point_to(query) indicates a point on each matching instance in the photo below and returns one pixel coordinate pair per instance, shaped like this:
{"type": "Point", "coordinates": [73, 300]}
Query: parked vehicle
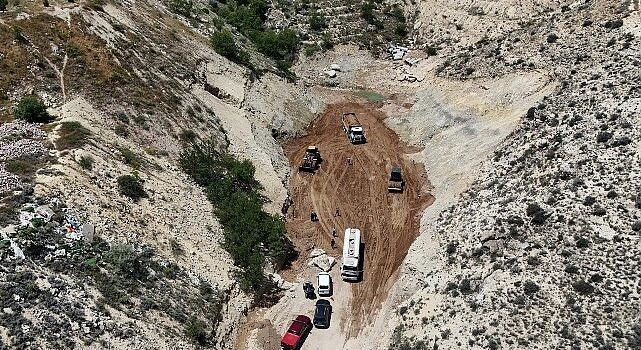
{"type": "Point", "coordinates": [351, 267]}
{"type": "Point", "coordinates": [322, 314]}
{"type": "Point", "coordinates": [324, 284]}
{"type": "Point", "coordinates": [296, 333]}
{"type": "Point", "coordinates": [353, 128]}
{"type": "Point", "coordinates": [308, 288]}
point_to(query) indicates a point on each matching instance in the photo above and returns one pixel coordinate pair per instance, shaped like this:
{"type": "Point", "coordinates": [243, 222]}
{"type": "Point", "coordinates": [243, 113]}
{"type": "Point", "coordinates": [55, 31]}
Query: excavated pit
{"type": "Point", "coordinates": [389, 221]}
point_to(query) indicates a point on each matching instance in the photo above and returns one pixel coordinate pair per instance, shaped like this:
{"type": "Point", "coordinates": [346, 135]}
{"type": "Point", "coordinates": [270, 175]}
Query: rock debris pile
{"type": "Point", "coordinates": [18, 140]}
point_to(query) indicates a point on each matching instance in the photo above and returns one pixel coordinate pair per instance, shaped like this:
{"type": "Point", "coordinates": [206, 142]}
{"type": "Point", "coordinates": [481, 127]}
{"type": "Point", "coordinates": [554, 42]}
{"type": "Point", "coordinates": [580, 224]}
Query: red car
{"type": "Point", "coordinates": [296, 333]}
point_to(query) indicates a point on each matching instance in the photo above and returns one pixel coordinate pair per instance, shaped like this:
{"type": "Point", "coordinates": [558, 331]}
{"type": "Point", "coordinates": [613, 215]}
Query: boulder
{"type": "Point", "coordinates": [331, 73]}
{"type": "Point", "coordinates": [335, 67]}
{"type": "Point", "coordinates": [316, 252]}
{"type": "Point", "coordinates": [323, 262]}
{"type": "Point", "coordinates": [87, 230]}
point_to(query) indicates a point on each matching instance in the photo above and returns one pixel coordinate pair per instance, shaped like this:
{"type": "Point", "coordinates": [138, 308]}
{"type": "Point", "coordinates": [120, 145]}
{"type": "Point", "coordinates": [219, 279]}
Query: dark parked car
{"type": "Point", "coordinates": [322, 314]}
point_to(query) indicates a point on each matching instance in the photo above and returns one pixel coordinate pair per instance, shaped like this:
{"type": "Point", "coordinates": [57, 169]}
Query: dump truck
{"type": "Point", "coordinates": [351, 267]}
{"type": "Point", "coordinates": [311, 159]}
{"type": "Point", "coordinates": [296, 333]}
{"type": "Point", "coordinates": [353, 128]}
{"type": "Point", "coordinates": [395, 183]}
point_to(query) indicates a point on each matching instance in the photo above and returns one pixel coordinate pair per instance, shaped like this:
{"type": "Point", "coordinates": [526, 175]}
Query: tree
{"type": "Point", "coordinates": [3, 5]}
{"type": "Point", "coordinates": [31, 109]}
{"type": "Point", "coordinates": [224, 44]}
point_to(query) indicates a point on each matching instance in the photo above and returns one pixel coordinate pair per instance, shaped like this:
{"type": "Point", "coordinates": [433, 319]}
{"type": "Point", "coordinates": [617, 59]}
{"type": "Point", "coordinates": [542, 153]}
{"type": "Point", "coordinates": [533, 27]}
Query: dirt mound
{"type": "Point", "coordinates": [389, 222]}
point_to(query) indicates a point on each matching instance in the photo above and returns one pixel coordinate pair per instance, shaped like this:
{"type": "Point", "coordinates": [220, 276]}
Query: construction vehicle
{"type": "Point", "coordinates": [353, 128]}
{"type": "Point", "coordinates": [311, 159]}
{"type": "Point", "coordinates": [296, 333]}
{"type": "Point", "coordinates": [351, 268]}
{"type": "Point", "coordinates": [395, 183]}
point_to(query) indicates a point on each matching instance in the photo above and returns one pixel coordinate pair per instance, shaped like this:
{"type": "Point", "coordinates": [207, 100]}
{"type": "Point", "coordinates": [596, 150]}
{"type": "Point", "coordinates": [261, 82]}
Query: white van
{"type": "Point", "coordinates": [324, 284]}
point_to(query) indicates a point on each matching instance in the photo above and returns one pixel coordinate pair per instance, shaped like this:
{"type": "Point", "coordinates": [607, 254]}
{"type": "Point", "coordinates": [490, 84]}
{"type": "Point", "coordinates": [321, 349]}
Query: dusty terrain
{"type": "Point", "coordinates": [389, 222]}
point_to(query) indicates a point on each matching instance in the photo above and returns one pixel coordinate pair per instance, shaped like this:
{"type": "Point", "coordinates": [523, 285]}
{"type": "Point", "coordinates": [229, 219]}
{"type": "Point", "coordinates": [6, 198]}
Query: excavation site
{"type": "Point", "coordinates": [314, 175]}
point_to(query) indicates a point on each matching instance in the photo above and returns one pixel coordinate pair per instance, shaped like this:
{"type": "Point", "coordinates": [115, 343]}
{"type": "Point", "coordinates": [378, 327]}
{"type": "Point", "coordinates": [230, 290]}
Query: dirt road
{"type": "Point", "coordinates": [389, 222]}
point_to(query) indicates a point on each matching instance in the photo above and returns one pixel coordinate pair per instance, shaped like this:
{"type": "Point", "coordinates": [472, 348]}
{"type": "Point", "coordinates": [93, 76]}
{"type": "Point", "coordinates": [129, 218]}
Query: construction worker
{"type": "Point", "coordinates": [313, 216]}
{"type": "Point", "coordinates": [334, 232]}
{"type": "Point", "coordinates": [337, 213]}
{"type": "Point", "coordinates": [349, 160]}
{"type": "Point", "coordinates": [333, 243]}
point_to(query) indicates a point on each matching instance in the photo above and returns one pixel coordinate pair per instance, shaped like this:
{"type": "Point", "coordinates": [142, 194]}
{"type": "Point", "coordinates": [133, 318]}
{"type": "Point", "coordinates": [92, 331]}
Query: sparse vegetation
{"type": "Point", "coordinates": [32, 109]}
{"type": "Point", "coordinates": [130, 158]}
{"type": "Point", "coordinates": [72, 135]}
{"type": "Point", "coordinates": [131, 186]}
{"type": "Point", "coordinates": [230, 185]}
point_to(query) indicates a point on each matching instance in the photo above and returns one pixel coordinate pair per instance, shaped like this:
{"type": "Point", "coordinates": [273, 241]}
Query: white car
{"type": "Point", "coordinates": [324, 284]}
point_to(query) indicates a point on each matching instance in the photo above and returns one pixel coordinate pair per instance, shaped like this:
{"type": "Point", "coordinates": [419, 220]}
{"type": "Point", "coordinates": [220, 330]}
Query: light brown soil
{"type": "Point", "coordinates": [389, 222]}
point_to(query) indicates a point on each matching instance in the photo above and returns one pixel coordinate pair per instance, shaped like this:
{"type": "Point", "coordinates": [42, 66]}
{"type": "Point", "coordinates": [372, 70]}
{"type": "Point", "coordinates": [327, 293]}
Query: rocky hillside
{"type": "Point", "coordinates": [541, 252]}
{"type": "Point", "coordinates": [105, 241]}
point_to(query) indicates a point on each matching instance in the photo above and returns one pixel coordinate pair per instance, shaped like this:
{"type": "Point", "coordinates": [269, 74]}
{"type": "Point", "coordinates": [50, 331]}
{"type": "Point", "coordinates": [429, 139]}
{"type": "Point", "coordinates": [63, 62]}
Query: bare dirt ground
{"type": "Point", "coordinates": [389, 222]}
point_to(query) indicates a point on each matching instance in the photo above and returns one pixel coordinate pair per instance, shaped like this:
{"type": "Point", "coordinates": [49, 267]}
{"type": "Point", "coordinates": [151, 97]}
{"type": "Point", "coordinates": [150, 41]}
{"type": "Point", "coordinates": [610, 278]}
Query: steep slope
{"type": "Point", "coordinates": [539, 252]}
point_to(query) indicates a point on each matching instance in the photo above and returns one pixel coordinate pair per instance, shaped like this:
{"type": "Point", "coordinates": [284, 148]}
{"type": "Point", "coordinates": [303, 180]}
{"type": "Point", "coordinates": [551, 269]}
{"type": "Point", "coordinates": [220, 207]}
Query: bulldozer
{"type": "Point", "coordinates": [311, 159]}
{"type": "Point", "coordinates": [395, 183]}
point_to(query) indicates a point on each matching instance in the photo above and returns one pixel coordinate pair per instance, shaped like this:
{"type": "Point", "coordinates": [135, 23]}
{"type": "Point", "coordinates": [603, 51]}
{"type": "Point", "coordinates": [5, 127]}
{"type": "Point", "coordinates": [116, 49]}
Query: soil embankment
{"type": "Point", "coordinates": [389, 222]}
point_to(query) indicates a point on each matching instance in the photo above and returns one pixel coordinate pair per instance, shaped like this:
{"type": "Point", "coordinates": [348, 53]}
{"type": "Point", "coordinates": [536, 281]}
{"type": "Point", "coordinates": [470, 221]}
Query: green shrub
{"type": "Point", "coordinates": [3, 5]}
{"type": "Point", "coordinates": [182, 7]}
{"type": "Point", "coordinates": [32, 110]}
{"type": "Point", "coordinates": [327, 42]}
{"type": "Point", "coordinates": [317, 22]}
{"type": "Point", "coordinates": [86, 162]}
{"type": "Point", "coordinates": [121, 130]}
{"type": "Point", "coordinates": [130, 157]}
{"type": "Point", "coordinates": [195, 331]}
{"type": "Point", "coordinates": [277, 45]}
{"type": "Point", "coordinates": [130, 186]}
{"type": "Point", "coordinates": [187, 136]}
{"type": "Point", "coordinates": [250, 235]}
{"type": "Point", "coordinates": [367, 12]}
{"type": "Point", "coordinates": [72, 135]}
{"type": "Point", "coordinates": [224, 44]}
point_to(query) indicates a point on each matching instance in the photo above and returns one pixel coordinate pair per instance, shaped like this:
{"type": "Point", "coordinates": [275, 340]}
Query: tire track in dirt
{"type": "Point", "coordinates": [389, 222]}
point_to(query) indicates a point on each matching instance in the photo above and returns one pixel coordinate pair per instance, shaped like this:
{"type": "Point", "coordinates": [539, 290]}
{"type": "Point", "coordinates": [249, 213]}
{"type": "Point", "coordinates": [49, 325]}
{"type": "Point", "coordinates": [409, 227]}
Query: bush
{"type": "Point", "coordinates": [130, 186]}
{"type": "Point", "coordinates": [72, 135]}
{"type": "Point", "coordinates": [130, 157]}
{"type": "Point", "coordinates": [224, 44]}
{"type": "Point", "coordinates": [529, 287]}
{"type": "Point", "coordinates": [3, 5]}
{"type": "Point", "coordinates": [187, 136]}
{"type": "Point", "coordinates": [32, 110]}
{"type": "Point", "coordinates": [250, 235]}
{"type": "Point", "coordinates": [367, 12]}
{"type": "Point", "coordinates": [277, 45]}
{"type": "Point", "coordinates": [86, 162]}
{"type": "Point", "coordinates": [317, 22]}
{"type": "Point", "coordinates": [121, 130]}
{"type": "Point", "coordinates": [583, 287]}
{"type": "Point", "coordinates": [195, 330]}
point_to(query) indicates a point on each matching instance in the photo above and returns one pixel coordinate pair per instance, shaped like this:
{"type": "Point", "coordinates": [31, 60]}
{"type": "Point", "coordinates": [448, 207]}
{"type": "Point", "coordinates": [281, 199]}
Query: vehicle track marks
{"type": "Point", "coordinates": [389, 222]}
